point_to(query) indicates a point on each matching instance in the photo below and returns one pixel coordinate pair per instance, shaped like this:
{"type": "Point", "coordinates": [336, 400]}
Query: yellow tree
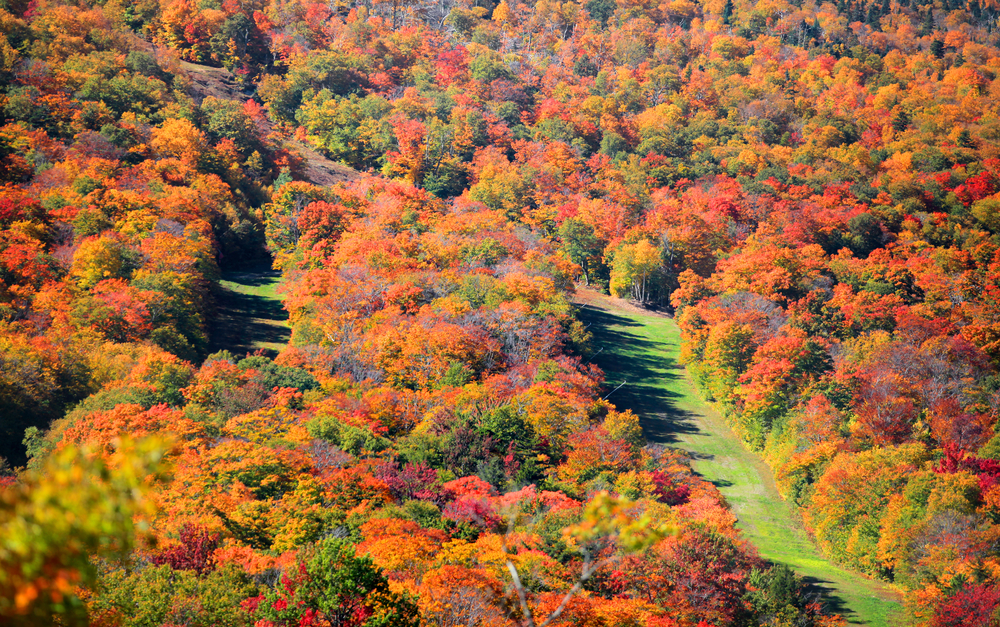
{"type": "Point", "coordinates": [635, 270]}
{"type": "Point", "coordinates": [606, 519]}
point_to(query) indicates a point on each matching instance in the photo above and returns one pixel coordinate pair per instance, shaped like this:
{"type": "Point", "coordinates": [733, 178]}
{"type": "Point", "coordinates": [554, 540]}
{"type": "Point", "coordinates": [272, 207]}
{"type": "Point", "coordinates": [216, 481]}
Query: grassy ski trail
{"type": "Point", "coordinates": [251, 316]}
{"type": "Point", "coordinates": [642, 349]}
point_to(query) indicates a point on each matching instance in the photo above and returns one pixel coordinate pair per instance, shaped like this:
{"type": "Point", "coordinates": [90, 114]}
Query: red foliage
{"type": "Point", "coordinates": [669, 491]}
{"type": "Point", "coordinates": [16, 205]}
{"type": "Point", "coordinates": [475, 510]}
{"type": "Point", "coordinates": [413, 481]}
{"type": "Point", "coordinates": [956, 460]}
{"type": "Point", "coordinates": [973, 606]}
{"type": "Point", "coordinates": [195, 551]}
{"type": "Point", "coordinates": [451, 65]}
{"type": "Point", "coordinates": [976, 188]}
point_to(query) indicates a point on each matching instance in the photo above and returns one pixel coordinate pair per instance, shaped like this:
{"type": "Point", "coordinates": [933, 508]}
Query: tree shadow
{"type": "Point", "coordinates": [634, 379]}
{"type": "Point", "coordinates": [247, 322]}
{"type": "Point", "coordinates": [821, 591]}
{"type": "Point", "coordinates": [642, 362]}
{"type": "Point", "coordinates": [252, 278]}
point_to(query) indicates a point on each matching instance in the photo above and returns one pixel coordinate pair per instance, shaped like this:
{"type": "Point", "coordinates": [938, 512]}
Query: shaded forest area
{"type": "Point", "coordinates": [811, 188]}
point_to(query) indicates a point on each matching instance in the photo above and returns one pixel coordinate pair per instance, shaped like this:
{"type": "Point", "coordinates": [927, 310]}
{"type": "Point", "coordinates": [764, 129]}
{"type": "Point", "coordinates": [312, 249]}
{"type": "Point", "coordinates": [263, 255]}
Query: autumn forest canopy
{"type": "Point", "coordinates": [810, 189]}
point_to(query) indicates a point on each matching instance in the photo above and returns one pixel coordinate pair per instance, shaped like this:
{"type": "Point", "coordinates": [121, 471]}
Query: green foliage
{"type": "Point", "coordinates": [776, 595]}
{"type": "Point", "coordinates": [272, 375]}
{"type": "Point", "coordinates": [851, 496]}
{"type": "Point", "coordinates": [637, 272]}
{"type": "Point", "coordinates": [354, 440]}
{"type": "Point", "coordinates": [35, 389]}
{"type": "Point", "coordinates": [425, 514]}
{"type": "Point", "coordinates": [354, 129]}
{"type": "Point", "coordinates": [281, 216]}
{"type": "Point", "coordinates": [180, 311]}
{"type": "Point", "coordinates": [506, 426]}
{"type": "Point", "coordinates": [334, 585]}
{"type": "Point", "coordinates": [150, 596]}
{"type": "Point", "coordinates": [457, 375]}
{"type": "Point", "coordinates": [487, 68]}
{"type": "Point", "coordinates": [606, 515]}
{"type": "Point", "coordinates": [332, 71]}
{"type": "Point", "coordinates": [866, 234]}
{"type": "Point", "coordinates": [227, 119]}
{"type": "Point", "coordinates": [584, 248]}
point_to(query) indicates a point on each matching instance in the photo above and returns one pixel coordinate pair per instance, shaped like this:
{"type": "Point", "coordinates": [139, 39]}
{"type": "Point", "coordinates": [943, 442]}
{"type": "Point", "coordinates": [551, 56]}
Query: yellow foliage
{"type": "Point", "coordinates": [609, 516]}
{"type": "Point", "coordinates": [55, 519]}
{"type": "Point", "coordinates": [269, 426]}
{"type": "Point", "coordinates": [635, 485]}
{"type": "Point", "coordinates": [624, 425]}
{"type": "Point", "coordinates": [179, 138]}
{"type": "Point", "coordinates": [502, 13]}
{"type": "Point", "coordinates": [549, 414]}
{"type": "Point", "coordinates": [101, 258]}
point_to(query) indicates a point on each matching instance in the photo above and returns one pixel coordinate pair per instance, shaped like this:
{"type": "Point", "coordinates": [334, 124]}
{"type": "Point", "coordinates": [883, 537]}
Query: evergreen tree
{"type": "Point", "coordinates": [927, 26]}
{"type": "Point", "coordinates": [727, 13]}
{"type": "Point", "coordinates": [873, 17]}
{"type": "Point", "coordinates": [937, 49]}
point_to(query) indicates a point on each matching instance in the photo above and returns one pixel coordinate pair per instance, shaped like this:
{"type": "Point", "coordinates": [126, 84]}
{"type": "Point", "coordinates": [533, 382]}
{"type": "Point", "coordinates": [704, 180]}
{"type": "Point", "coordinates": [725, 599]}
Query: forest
{"type": "Point", "coordinates": [810, 189]}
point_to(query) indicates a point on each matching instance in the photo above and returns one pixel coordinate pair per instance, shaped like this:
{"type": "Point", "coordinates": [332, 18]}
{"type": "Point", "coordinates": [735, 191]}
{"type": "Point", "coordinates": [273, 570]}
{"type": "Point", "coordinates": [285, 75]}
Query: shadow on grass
{"type": "Point", "coordinates": [640, 363]}
{"type": "Point", "coordinates": [249, 322]}
{"type": "Point", "coordinates": [820, 590]}
{"type": "Point", "coordinates": [252, 278]}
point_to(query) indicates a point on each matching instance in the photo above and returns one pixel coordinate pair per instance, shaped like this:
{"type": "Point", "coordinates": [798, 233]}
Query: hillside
{"type": "Point", "coordinates": [288, 334]}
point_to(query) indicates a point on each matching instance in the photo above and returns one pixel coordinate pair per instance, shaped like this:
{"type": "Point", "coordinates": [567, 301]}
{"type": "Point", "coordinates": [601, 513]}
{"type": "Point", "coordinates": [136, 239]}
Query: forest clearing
{"type": "Point", "coordinates": [251, 316]}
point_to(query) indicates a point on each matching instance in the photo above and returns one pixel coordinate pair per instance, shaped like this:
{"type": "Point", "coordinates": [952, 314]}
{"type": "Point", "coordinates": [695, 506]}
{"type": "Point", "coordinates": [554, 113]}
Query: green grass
{"type": "Point", "coordinates": [643, 350]}
{"type": "Point", "coordinates": [251, 316]}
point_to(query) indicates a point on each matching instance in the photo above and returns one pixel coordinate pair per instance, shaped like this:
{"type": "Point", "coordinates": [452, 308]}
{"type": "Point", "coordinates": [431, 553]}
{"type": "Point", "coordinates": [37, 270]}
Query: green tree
{"type": "Point", "coordinates": [228, 119]}
{"type": "Point", "coordinates": [727, 13]}
{"type": "Point", "coordinates": [153, 596]}
{"type": "Point", "coordinates": [582, 246]}
{"type": "Point", "coordinates": [937, 49]}
{"type": "Point", "coordinates": [333, 586]}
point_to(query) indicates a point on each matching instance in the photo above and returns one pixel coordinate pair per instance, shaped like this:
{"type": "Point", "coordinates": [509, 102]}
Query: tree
{"type": "Point", "coordinates": [105, 257]}
{"type": "Point", "coordinates": [636, 270]}
{"type": "Point", "coordinates": [582, 245]}
{"type": "Point", "coordinates": [606, 519]}
{"type": "Point", "coordinates": [973, 606]}
{"type": "Point", "coordinates": [56, 518]}
{"type": "Point", "coordinates": [181, 139]}
{"type": "Point", "coordinates": [937, 48]}
{"type": "Point", "coordinates": [161, 595]}
{"type": "Point", "coordinates": [727, 12]}
{"type": "Point", "coordinates": [329, 585]}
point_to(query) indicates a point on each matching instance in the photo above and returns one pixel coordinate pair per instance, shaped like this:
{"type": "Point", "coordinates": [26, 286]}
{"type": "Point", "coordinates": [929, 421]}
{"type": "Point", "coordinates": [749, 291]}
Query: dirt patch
{"type": "Point", "coordinates": [593, 298]}
{"type": "Point", "coordinates": [219, 83]}
{"type": "Point", "coordinates": [322, 171]}
{"type": "Point", "coordinates": [216, 82]}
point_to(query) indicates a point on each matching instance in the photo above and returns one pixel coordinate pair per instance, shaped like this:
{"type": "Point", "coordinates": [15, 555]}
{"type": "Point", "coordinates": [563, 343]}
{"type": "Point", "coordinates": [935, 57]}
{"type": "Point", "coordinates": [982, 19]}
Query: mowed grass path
{"type": "Point", "coordinates": [642, 349]}
{"type": "Point", "coordinates": [251, 316]}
